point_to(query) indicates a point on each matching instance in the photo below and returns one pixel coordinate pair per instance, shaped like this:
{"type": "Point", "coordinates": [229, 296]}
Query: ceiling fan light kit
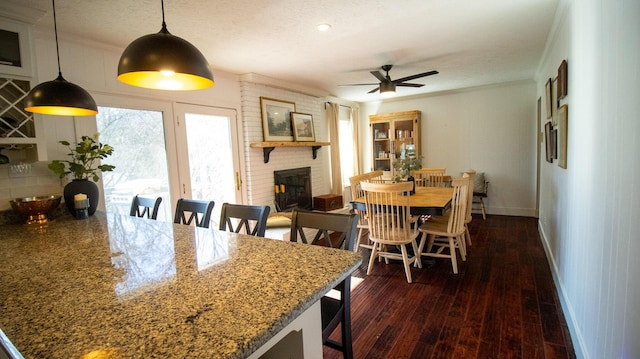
{"type": "Point", "coordinates": [387, 89]}
{"type": "Point", "coordinates": [59, 97]}
{"type": "Point", "coordinates": [165, 62]}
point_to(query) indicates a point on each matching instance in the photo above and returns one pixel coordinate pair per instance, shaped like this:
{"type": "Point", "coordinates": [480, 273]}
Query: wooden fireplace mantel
{"type": "Point", "coordinates": [267, 147]}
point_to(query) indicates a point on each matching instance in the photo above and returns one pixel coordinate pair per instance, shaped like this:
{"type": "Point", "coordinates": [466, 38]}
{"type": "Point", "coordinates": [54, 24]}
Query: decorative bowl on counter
{"type": "Point", "coordinates": [36, 209]}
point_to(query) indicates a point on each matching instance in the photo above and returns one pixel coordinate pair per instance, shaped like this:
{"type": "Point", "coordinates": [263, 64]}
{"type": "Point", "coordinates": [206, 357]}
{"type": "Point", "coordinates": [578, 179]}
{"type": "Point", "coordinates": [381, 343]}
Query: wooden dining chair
{"type": "Point", "coordinates": [240, 218]}
{"type": "Point", "coordinates": [448, 231]}
{"type": "Point", "coordinates": [480, 192]}
{"type": "Point", "coordinates": [357, 192]}
{"type": "Point", "coordinates": [430, 177]}
{"type": "Point", "coordinates": [468, 217]}
{"type": "Point", "coordinates": [145, 207]}
{"type": "Point", "coordinates": [193, 211]}
{"type": "Point", "coordinates": [326, 228]}
{"type": "Point", "coordinates": [391, 224]}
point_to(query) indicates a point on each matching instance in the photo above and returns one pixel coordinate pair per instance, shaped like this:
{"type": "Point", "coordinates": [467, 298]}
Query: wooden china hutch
{"type": "Point", "coordinates": [393, 136]}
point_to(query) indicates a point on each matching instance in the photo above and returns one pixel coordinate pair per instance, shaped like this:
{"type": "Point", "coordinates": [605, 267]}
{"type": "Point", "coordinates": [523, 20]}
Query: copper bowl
{"type": "Point", "coordinates": [36, 209]}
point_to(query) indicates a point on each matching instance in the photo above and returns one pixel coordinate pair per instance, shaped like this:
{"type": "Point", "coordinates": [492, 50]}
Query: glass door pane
{"type": "Point", "coordinates": [211, 147]}
{"type": "Point", "coordinates": [139, 155]}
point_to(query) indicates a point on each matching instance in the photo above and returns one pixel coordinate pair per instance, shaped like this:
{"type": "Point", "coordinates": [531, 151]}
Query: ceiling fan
{"type": "Point", "coordinates": [387, 86]}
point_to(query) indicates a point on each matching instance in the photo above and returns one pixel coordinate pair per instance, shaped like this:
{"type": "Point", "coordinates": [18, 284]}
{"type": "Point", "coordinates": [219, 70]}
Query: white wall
{"type": "Point", "coordinates": [589, 212]}
{"type": "Point", "coordinates": [490, 129]}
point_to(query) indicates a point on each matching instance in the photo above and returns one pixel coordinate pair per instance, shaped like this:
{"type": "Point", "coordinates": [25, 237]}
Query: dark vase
{"type": "Point", "coordinates": [413, 181]}
{"type": "Point", "coordinates": [85, 186]}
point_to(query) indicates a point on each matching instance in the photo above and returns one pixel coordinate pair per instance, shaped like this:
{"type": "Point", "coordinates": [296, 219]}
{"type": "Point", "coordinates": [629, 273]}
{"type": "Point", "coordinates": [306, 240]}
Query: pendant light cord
{"type": "Point", "coordinates": [55, 30]}
{"type": "Point", "coordinates": [164, 25]}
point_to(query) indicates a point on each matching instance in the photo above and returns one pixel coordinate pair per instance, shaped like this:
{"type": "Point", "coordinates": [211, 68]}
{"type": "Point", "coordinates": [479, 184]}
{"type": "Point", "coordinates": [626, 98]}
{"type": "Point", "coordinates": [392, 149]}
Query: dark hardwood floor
{"type": "Point", "coordinates": [502, 303]}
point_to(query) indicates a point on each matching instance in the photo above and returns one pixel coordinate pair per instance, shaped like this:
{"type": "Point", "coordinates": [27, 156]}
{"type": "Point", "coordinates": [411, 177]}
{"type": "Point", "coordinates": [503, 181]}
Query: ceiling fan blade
{"type": "Point", "coordinates": [374, 90]}
{"type": "Point", "coordinates": [413, 77]}
{"type": "Point", "coordinates": [379, 75]}
{"type": "Point", "coordinates": [359, 84]}
{"type": "Point", "coordinates": [406, 84]}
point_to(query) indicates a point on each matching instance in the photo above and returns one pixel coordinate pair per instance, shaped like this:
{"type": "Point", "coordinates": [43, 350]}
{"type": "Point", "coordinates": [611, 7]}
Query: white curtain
{"type": "Point", "coordinates": [355, 111]}
{"type": "Point", "coordinates": [333, 116]}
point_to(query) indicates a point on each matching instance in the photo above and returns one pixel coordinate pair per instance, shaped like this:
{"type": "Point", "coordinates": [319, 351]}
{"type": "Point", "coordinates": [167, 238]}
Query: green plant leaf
{"type": "Point", "coordinates": [82, 159]}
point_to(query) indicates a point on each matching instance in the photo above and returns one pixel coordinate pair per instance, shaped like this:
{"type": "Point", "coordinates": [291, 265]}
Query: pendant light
{"type": "Point", "coordinates": [59, 97]}
{"type": "Point", "coordinates": [165, 62]}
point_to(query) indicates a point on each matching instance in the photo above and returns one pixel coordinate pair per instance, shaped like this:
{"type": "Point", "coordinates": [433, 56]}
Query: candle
{"type": "Point", "coordinates": [80, 197]}
{"type": "Point", "coordinates": [282, 188]}
{"type": "Point", "coordinates": [277, 189]}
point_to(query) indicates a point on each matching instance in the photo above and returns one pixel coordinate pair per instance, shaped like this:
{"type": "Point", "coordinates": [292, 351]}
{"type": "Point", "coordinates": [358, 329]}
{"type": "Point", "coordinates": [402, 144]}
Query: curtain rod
{"type": "Point", "coordinates": [325, 105]}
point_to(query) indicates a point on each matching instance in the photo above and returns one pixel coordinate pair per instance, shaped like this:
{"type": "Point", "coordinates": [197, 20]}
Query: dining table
{"type": "Point", "coordinates": [425, 201]}
{"type": "Point", "coordinates": [117, 286]}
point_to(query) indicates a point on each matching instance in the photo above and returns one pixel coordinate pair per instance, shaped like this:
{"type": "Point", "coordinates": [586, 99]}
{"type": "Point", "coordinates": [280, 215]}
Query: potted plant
{"type": "Point", "coordinates": [83, 168]}
{"type": "Point", "coordinates": [404, 167]}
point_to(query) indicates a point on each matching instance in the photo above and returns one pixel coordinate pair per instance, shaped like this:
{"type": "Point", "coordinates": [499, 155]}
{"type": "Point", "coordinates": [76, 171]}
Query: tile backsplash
{"type": "Point", "coordinates": [21, 181]}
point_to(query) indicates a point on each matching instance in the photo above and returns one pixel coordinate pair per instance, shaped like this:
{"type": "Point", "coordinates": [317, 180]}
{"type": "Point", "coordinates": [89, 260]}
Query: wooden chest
{"type": "Point", "coordinates": [327, 202]}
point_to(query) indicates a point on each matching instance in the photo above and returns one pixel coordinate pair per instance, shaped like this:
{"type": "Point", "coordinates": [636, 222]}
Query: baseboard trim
{"type": "Point", "coordinates": [510, 211]}
{"type": "Point", "coordinates": [576, 335]}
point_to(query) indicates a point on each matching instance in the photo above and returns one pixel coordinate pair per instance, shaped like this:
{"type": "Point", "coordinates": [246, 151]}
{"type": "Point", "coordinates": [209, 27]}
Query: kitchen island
{"type": "Point", "coordinates": [124, 287]}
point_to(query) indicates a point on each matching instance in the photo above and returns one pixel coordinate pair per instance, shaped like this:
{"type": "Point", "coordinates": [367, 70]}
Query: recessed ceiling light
{"type": "Point", "coordinates": [324, 27]}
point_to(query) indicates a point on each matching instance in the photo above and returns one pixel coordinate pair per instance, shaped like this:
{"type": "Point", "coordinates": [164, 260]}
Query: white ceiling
{"type": "Point", "coordinates": [470, 42]}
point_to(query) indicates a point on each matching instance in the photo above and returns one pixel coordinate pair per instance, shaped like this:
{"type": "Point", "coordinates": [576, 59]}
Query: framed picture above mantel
{"type": "Point", "coordinates": [276, 119]}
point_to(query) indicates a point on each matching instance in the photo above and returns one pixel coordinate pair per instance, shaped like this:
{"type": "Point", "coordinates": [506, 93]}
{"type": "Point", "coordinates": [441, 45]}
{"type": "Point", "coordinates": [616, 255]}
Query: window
{"type": "Point", "coordinates": [140, 158]}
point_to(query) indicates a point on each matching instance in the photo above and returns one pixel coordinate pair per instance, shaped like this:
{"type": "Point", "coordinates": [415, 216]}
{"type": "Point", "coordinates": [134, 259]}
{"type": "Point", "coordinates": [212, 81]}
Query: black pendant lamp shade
{"type": "Point", "coordinates": [59, 97]}
{"type": "Point", "coordinates": [164, 61]}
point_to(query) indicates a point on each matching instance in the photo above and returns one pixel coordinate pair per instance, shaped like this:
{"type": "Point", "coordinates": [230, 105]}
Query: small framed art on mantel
{"type": "Point", "coordinates": [302, 127]}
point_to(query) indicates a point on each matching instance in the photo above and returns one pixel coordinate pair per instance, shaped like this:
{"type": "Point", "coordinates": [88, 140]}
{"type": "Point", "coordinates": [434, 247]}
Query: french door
{"type": "Point", "coordinates": [208, 155]}
{"type": "Point", "coordinates": [179, 151]}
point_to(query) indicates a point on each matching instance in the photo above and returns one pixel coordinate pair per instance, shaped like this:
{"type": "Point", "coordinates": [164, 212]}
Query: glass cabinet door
{"type": "Point", "coordinates": [382, 147]}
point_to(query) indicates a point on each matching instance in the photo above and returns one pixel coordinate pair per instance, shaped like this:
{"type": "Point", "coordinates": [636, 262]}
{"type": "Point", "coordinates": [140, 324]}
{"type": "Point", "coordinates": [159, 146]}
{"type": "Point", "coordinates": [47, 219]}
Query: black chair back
{"type": "Point", "coordinates": [145, 207]}
{"type": "Point", "coordinates": [197, 211]}
{"type": "Point", "coordinates": [328, 229]}
{"type": "Point", "coordinates": [335, 230]}
{"type": "Point", "coordinates": [250, 220]}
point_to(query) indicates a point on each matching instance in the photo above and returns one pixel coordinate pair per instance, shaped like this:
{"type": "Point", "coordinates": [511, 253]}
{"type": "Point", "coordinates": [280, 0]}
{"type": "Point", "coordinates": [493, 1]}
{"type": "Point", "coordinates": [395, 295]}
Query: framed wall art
{"type": "Point", "coordinates": [548, 133]}
{"type": "Point", "coordinates": [302, 127]}
{"type": "Point", "coordinates": [548, 98]}
{"type": "Point", "coordinates": [554, 144]}
{"type": "Point", "coordinates": [276, 119]}
{"type": "Point", "coordinates": [562, 80]}
{"type": "Point", "coordinates": [562, 136]}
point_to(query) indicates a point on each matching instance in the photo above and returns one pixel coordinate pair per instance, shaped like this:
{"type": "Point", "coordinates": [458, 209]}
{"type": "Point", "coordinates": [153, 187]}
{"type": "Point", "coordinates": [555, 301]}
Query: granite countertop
{"type": "Point", "coordinates": [126, 287]}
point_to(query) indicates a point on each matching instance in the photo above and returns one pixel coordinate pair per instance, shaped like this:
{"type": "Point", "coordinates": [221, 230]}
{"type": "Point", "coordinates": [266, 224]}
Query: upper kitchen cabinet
{"type": "Point", "coordinates": [18, 136]}
{"type": "Point", "coordinates": [393, 136]}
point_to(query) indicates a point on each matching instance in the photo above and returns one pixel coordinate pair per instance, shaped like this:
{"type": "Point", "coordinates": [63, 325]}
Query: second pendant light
{"type": "Point", "coordinates": [164, 61]}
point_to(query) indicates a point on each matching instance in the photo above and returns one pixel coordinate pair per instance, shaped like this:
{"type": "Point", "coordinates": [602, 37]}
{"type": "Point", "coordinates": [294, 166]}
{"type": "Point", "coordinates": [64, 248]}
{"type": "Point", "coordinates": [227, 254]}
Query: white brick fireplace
{"type": "Point", "coordinates": [258, 179]}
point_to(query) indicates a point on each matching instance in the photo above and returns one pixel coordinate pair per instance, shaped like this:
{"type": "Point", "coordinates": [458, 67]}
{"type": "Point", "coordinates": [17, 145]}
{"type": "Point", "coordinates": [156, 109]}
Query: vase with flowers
{"type": "Point", "coordinates": [404, 167]}
{"type": "Point", "coordinates": [83, 167]}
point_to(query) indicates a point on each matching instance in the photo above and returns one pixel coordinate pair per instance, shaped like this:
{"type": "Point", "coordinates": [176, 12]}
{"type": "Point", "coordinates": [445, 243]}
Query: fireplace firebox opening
{"type": "Point", "coordinates": [293, 189]}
